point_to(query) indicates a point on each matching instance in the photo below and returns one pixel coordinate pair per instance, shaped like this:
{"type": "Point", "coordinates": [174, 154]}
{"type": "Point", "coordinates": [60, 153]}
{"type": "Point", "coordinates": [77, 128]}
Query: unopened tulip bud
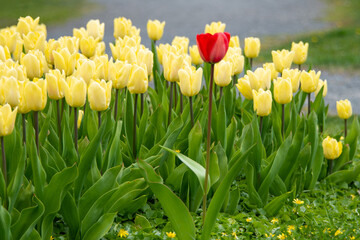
{"type": "Point", "coordinates": [119, 73]}
{"type": "Point", "coordinates": [75, 91]}
{"type": "Point", "coordinates": [35, 64]}
{"type": "Point", "coordinates": [172, 64]}
{"type": "Point", "coordinates": [145, 56]}
{"type": "Point", "coordinates": [262, 102]}
{"type": "Point", "coordinates": [344, 109]}
{"type": "Point", "coordinates": [85, 70]}
{"type": "Point", "coordinates": [321, 84]}
{"type": "Point", "coordinates": [215, 27]}
{"type": "Point", "coordinates": [122, 27]}
{"type": "Point", "coordinates": [252, 47]}
{"type": "Point", "coordinates": [195, 55]}
{"type": "Point", "coordinates": [23, 104]}
{"type": "Point", "coordinates": [11, 91]}
{"type": "Point", "coordinates": [294, 75]}
{"type": "Point", "coordinates": [36, 94]}
{"type": "Point", "coordinates": [282, 59]}
{"type": "Point", "coordinates": [95, 29]}
{"type": "Point", "coordinates": [244, 87]}
{"type": "Point", "coordinates": [34, 40]}
{"type": "Point", "coordinates": [99, 94]}
{"type": "Point", "coordinates": [282, 90]}
{"type": "Point", "coordinates": [190, 80]}
{"type": "Point", "coordinates": [308, 83]}
{"type": "Point", "coordinates": [301, 50]}
{"type": "Point", "coordinates": [222, 73]}
{"type": "Point", "coordinates": [7, 120]}
{"type": "Point", "coordinates": [55, 80]}
{"type": "Point", "coordinates": [138, 82]}
{"type": "Point", "coordinates": [155, 29]}
{"type": "Point", "coordinates": [65, 61]}
{"type": "Point", "coordinates": [332, 148]}
{"type": "Point", "coordinates": [88, 46]}
{"type": "Point", "coordinates": [101, 67]}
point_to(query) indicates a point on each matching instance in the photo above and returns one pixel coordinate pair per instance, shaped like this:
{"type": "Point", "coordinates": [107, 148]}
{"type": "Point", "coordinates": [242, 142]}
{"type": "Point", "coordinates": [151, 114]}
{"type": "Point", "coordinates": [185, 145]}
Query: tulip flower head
{"type": "Point", "coordinates": [35, 64]}
{"type": "Point", "coordinates": [9, 37]}
{"type": "Point", "coordinates": [172, 63]}
{"type": "Point", "coordinates": [95, 29]}
{"type": "Point", "coordinates": [55, 80]}
{"type": "Point", "coordinates": [36, 94]}
{"type": "Point", "coordinates": [344, 109]}
{"type": "Point", "coordinates": [145, 56]}
{"type": "Point", "coordinates": [182, 43]}
{"type": "Point", "coordinates": [212, 48]}
{"type": "Point", "coordinates": [138, 82]}
{"type": "Point", "coordinates": [122, 27]}
{"type": "Point", "coordinates": [283, 90]}
{"type": "Point", "coordinates": [252, 47]}
{"type": "Point", "coordinates": [75, 91]}
{"type": "Point", "coordinates": [262, 102]}
{"type": "Point", "coordinates": [309, 81]}
{"type": "Point", "coordinates": [11, 91]}
{"type": "Point", "coordinates": [234, 42]}
{"type": "Point", "coordinates": [190, 80]}
{"type": "Point", "coordinates": [332, 148]}
{"type": "Point", "coordinates": [234, 56]}
{"type": "Point", "coordinates": [119, 73]}
{"type": "Point", "coordinates": [301, 51]}
{"type": "Point", "coordinates": [294, 75]}
{"type": "Point", "coordinates": [85, 70]}
{"type": "Point", "coordinates": [282, 59]}
{"type": "Point", "coordinates": [4, 53]}
{"type": "Point", "coordinates": [64, 61]}
{"type": "Point", "coordinates": [321, 84]}
{"type": "Point", "coordinates": [34, 40]}
{"type": "Point", "coordinates": [155, 29]}
{"type": "Point", "coordinates": [99, 94]}
{"type": "Point", "coordinates": [244, 87]}
{"type": "Point", "coordinates": [260, 78]}
{"type": "Point", "coordinates": [215, 27]}
{"type": "Point", "coordinates": [88, 46]}
{"type": "Point", "coordinates": [222, 73]}
{"type": "Point", "coordinates": [7, 120]}
{"type": "Point", "coordinates": [195, 55]}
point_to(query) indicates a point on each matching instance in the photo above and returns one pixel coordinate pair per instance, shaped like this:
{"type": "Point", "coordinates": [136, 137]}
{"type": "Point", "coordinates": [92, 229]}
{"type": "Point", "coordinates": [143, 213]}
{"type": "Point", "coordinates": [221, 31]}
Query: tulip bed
{"type": "Point", "coordinates": [99, 148]}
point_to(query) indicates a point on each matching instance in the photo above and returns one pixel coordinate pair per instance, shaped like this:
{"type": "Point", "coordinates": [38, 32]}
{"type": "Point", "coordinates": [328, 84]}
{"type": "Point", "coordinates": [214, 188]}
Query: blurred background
{"type": "Point", "coordinates": [332, 28]}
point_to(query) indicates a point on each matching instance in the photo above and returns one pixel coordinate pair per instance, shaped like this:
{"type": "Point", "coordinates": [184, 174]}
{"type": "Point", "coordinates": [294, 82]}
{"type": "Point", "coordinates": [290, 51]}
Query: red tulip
{"type": "Point", "coordinates": [212, 48]}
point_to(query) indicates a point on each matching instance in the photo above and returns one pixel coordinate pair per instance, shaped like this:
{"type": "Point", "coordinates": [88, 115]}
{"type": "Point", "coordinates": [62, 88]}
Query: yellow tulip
{"type": "Point", "coordinates": [332, 148]}
{"type": "Point", "coordinates": [234, 42]}
{"type": "Point", "coordinates": [18, 50]}
{"type": "Point", "coordinates": [95, 29]}
{"type": "Point", "coordinates": [27, 24]}
{"type": "Point", "coordinates": [215, 27]}
{"type": "Point", "coordinates": [80, 33]}
{"type": "Point", "coordinates": [7, 120]}
{"type": "Point", "coordinates": [294, 75]}
{"type": "Point", "coordinates": [81, 114]}
{"type": "Point", "coordinates": [271, 67]}
{"type": "Point", "coordinates": [301, 50]}
{"type": "Point", "coordinates": [119, 73]}
{"type": "Point", "coordinates": [11, 91]}
{"type": "Point", "coordinates": [122, 27]}
{"type": "Point", "coordinates": [190, 80]}
{"type": "Point", "coordinates": [23, 106]}
{"type": "Point", "coordinates": [344, 109]}
{"type": "Point", "coordinates": [34, 40]}
{"type": "Point", "coordinates": [9, 37]}
{"type": "Point", "coordinates": [182, 43]}
{"type": "Point", "coordinates": [262, 102]}
{"type": "Point", "coordinates": [99, 94]}
{"type": "Point", "coordinates": [162, 50]}
{"type": "Point", "coordinates": [101, 67]}
{"type": "Point", "coordinates": [64, 61]}
{"type": "Point", "coordinates": [320, 85]}
{"type": "Point", "coordinates": [234, 56]}
{"type": "Point", "coordinates": [55, 80]}
{"type": "Point", "coordinates": [282, 59]}
{"type": "Point", "coordinates": [36, 94]}
{"type": "Point", "coordinates": [252, 47]}
{"type": "Point", "coordinates": [222, 73]}
{"type": "Point", "coordinates": [51, 45]}
{"type": "Point", "coordinates": [4, 53]}
{"type": "Point", "coordinates": [129, 54]}
{"type": "Point", "coordinates": [195, 55]}
{"type": "Point", "coordinates": [260, 78]}
{"type": "Point", "coordinates": [138, 82]}
{"type": "Point", "coordinates": [12, 69]}
{"type": "Point", "coordinates": [172, 64]}
{"type": "Point", "coordinates": [71, 43]}
{"type": "Point", "coordinates": [85, 70]}
{"type": "Point", "coordinates": [88, 46]}
{"type": "Point", "coordinates": [244, 87]}
{"type": "Point", "coordinates": [282, 90]}
{"type": "Point", "coordinates": [315, 76]}
{"type": "Point", "coordinates": [308, 83]}
{"type": "Point", "coordinates": [35, 63]}
{"type": "Point", "coordinates": [145, 56]}
{"type": "Point", "coordinates": [134, 31]}
{"type": "Point", "coordinates": [155, 29]}
{"type": "Point", "coordinates": [75, 91]}
{"type": "Point", "coordinates": [100, 49]}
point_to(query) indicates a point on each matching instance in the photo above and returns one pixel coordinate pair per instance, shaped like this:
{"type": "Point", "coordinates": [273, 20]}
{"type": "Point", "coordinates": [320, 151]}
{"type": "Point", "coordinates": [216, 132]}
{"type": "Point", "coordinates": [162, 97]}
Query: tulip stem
{"type": "Point", "coordinates": [251, 63]}
{"type": "Point", "coordinates": [309, 103]}
{"type": "Point", "coordinates": [234, 80]}
{"type": "Point", "coordinates": [282, 120]}
{"type": "Point", "coordinates": [299, 67]}
{"type": "Point", "coordinates": [330, 166]}
{"type": "Point", "coordinates": [134, 129]}
{"type": "Point", "coordinates": [141, 104]}
{"type": "Point", "coordinates": [170, 101]}
{"type": "Point", "coordinates": [116, 103]}
{"type": "Point", "coordinates": [208, 140]}
{"type": "Point", "coordinates": [345, 129]}
{"type": "Point", "coordinates": [221, 92]}
{"type": "Point", "coordinates": [62, 108]}
{"type": "Point", "coordinates": [59, 123]}
{"type": "Point", "coordinates": [4, 169]}
{"type": "Point", "coordinates": [175, 96]}
{"type": "Point", "coordinates": [99, 118]}
{"type": "Point", "coordinates": [36, 126]}
{"type": "Point", "coordinates": [24, 127]}
{"type": "Point", "coordinates": [181, 102]}
{"type": "Point", "coordinates": [191, 112]}
{"type": "Point", "coordinates": [261, 124]}
{"type": "Point", "coordinates": [76, 129]}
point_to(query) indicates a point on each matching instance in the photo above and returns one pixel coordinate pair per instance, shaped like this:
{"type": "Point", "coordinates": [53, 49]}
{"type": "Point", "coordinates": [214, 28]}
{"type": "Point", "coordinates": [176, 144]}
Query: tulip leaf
{"type": "Point", "coordinates": [69, 212]}
{"type": "Point", "coordinates": [101, 227]}
{"type": "Point", "coordinates": [273, 207]}
{"type": "Point", "coordinates": [174, 208]}
{"type": "Point", "coordinates": [352, 137]}
{"type": "Point", "coordinates": [230, 137]}
{"type": "Point", "coordinates": [5, 223]}
{"type": "Point", "coordinates": [344, 175]}
{"type": "Point", "coordinates": [316, 167]}
{"type": "Point", "coordinates": [343, 159]}
{"type": "Point", "coordinates": [254, 197]}
{"type": "Point", "coordinates": [45, 126]}
{"type": "Point", "coordinates": [221, 193]}
{"type": "Point", "coordinates": [113, 152]}
{"type": "Point", "coordinates": [221, 122]}
{"type": "Point", "coordinates": [195, 142]}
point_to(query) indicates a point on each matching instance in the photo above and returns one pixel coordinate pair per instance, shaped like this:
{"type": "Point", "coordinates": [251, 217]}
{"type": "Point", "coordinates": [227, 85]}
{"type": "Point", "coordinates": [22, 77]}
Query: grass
{"type": "Point", "coordinates": [50, 11]}
{"type": "Point", "coordinates": [335, 48]}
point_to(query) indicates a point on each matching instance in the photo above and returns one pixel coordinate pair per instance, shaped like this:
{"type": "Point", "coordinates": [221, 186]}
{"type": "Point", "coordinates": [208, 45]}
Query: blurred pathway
{"type": "Point", "coordinates": [244, 18]}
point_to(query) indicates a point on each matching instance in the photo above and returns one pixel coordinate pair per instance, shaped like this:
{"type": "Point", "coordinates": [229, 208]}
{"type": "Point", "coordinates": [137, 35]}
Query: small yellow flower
{"type": "Point", "coordinates": [223, 234]}
{"type": "Point", "coordinates": [249, 219]}
{"type": "Point", "coordinates": [281, 236]}
{"type": "Point", "coordinates": [352, 237]}
{"type": "Point", "coordinates": [123, 233]}
{"type": "Point", "coordinates": [298, 202]}
{"type": "Point", "coordinates": [52, 238]}
{"type": "Point", "coordinates": [177, 150]}
{"type": "Point", "coordinates": [290, 229]}
{"type": "Point", "coordinates": [274, 220]}
{"type": "Point", "coordinates": [170, 234]}
{"type": "Point", "coordinates": [352, 196]}
{"type": "Point", "coordinates": [234, 235]}
{"type": "Point", "coordinates": [338, 232]}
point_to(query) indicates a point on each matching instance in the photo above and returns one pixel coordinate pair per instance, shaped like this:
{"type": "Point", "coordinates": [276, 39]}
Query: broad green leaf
{"type": "Point", "coordinates": [195, 142]}
{"type": "Point", "coordinates": [142, 222]}
{"type": "Point", "coordinates": [273, 207]}
{"type": "Point", "coordinates": [44, 128]}
{"type": "Point", "coordinates": [5, 222]}
{"type": "Point", "coordinates": [101, 227]}
{"type": "Point", "coordinates": [254, 197]}
{"type": "Point", "coordinates": [316, 167]}
{"type": "Point", "coordinates": [69, 212]}
{"type": "Point", "coordinates": [353, 136]}
{"type": "Point", "coordinates": [344, 175]}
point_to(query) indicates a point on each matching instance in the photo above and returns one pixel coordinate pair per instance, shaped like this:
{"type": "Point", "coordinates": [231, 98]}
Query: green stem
{"type": "Point", "coordinates": [76, 129]}
{"type": "Point", "coordinates": [59, 124]}
{"type": "Point", "coordinates": [36, 126]}
{"type": "Point", "coordinates": [24, 127]}
{"type": "Point", "coordinates": [251, 63]}
{"type": "Point", "coordinates": [116, 103]}
{"type": "Point", "coordinates": [4, 169]}
{"type": "Point", "coordinates": [261, 124]}
{"type": "Point", "coordinates": [330, 166]}
{"type": "Point", "coordinates": [181, 102]}
{"type": "Point", "coordinates": [345, 129]}
{"type": "Point", "coordinates": [141, 104]}
{"type": "Point", "coordinates": [99, 118]}
{"type": "Point", "coordinates": [282, 120]}
{"type": "Point", "coordinates": [170, 101]}
{"type": "Point", "coordinates": [221, 92]}
{"type": "Point", "coordinates": [191, 112]}
{"type": "Point", "coordinates": [309, 103]}
{"type": "Point", "coordinates": [134, 129]}
{"type": "Point", "coordinates": [208, 141]}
